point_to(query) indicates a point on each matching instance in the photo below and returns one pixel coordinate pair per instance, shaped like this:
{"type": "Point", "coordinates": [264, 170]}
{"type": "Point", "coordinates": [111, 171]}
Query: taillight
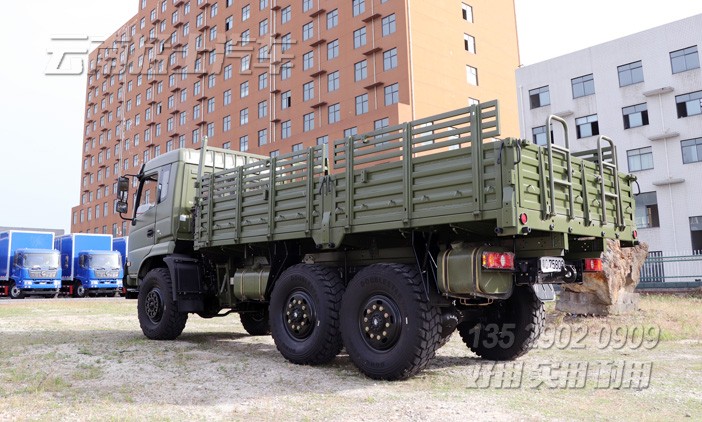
{"type": "Point", "coordinates": [593, 264]}
{"type": "Point", "coordinates": [498, 260]}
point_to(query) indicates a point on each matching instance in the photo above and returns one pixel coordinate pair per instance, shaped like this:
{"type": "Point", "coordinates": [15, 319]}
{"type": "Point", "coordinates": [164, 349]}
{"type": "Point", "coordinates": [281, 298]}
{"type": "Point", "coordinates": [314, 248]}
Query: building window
{"type": "Point", "coordinates": [308, 60]}
{"type": "Point", "coordinates": [262, 137]}
{"type": "Point", "coordinates": [244, 117]}
{"type": "Point", "coordinates": [262, 81]}
{"type": "Point", "coordinates": [360, 70]}
{"type": "Point", "coordinates": [469, 43]}
{"type": "Point", "coordinates": [359, 6]}
{"type": "Point", "coordinates": [308, 122]}
{"type": "Point", "coordinates": [472, 75]}
{"type": "Point", "coordinates": [635, 116]}
{"type": "Point", "coordinates": [696, 234]}
{"type": "Point", "coordinates": [359, 37]}
{"type": "Point", "coordinates": [245, 12]}
{"type": "Point", "coordinates": [307, 5]}
{"type": "Point", "coordinates": [274, 153]}
{"type": "Point", "coordinates": [381, 123]}
{"type": "Point", "coordinates": [285, 129]}
{"type": "Point", "coordinates": [350, 131]}
{"type": "Point", "coordinates": [587, 126]}
{"type": "Point", "coordinates": [307, 31]}
{"type": "Point", "coordinates": [244, 89]}
{"type": "Point", "coordinates": [630, 74]}
{"type": "Point", "coordinates": [244, 143]}
{"type": "Point", "coordinates": [334, 111]}
{"type": "Point", "coordinates": [285, 100]}
{"type": "Point", "coordinates": [389, 25]}
{"type": "Point", "coordinates": [362, 104]}
{"type": "Point", "coordinates": [691, 150]}
{"type": "Point", "coordinates": [646, 214]}
{"type": "Point", "coordinates": [583, 86]}
{"type": "Point", "coordinates": [333, 81]}
{"type": "Point", "coordinates": [685, 59]}
{"type": "Point", "coordinates": [285, 15]}
{"type": "Point", "coordinates": [467, 12]}
{"type": "Point", "coordinates": [332, 19]}
{"type": "Point", "coordinates": [323, 140]}
{"type": "Point", "coordinates": [333, 50]}
{"type": "Point", "coordinates": [640, 159]}
{"type": "Point", "coordinates": [390, 59]}
{"type": "Point", "coordinates": [227, 97]}
{"type": "Point", "coordinates": [308, 91]}
{"type": "Point", "coordinates": [539, 135]}
{"type": "Point", "coordinates": [227, 124]}
{"type": "Point", "coordinates": [262, 109]}
{"type": "Point", "coordinates": [539, 97]}
{"type": "Point", "coordinates": [285, 71]}
{"type": "Point", "coordinates": [392, 94]}
{"type": "Point", "coordinates": [689, 104]}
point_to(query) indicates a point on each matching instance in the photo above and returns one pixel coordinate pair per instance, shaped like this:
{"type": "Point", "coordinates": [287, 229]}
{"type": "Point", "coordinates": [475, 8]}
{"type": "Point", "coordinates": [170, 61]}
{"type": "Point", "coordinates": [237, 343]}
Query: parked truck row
{"type": "Point", "coordinates": [382, 243]}
{"type": "Point", "coordinates": [39, 264]}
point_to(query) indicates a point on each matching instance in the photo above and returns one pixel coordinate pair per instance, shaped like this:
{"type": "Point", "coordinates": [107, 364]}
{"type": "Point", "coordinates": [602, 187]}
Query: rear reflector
{"type": "Point", "coordinates": [593, 264]}
{"type": "Point", "coordinates": [498, 260]}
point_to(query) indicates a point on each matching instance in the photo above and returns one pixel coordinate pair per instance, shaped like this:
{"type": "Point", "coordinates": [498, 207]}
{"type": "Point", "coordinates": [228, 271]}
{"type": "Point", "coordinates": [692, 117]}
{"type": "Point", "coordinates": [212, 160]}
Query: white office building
{"type": "Point", "coordinates": [645, 92]}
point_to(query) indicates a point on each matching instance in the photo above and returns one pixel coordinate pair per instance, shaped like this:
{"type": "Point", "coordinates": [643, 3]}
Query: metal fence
{"type": "Point", "coordinates": [683, 266]}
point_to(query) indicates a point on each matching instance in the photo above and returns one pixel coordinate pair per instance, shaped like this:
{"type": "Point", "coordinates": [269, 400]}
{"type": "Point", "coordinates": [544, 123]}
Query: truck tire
{"type": "Point", "coordinates": [389, 328]}
{"type": "Point", "coordinates": [158, 315]}
{"type": "Point", "coordinates": [510, 327]}
{"type": "Point", "coordinates": [256, 323]}
{"type": "Point", "coordinates": [304, 314]}
{"type": "Point", "coordinates": [16, 292]}
{"type": "Point", "coordinates": [79, 290]}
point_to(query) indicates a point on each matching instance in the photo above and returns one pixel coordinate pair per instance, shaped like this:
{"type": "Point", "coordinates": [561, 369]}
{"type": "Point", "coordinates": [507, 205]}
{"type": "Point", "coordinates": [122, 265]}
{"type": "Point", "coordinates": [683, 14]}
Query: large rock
{"type": "Point", "coordinates": [610, 291]}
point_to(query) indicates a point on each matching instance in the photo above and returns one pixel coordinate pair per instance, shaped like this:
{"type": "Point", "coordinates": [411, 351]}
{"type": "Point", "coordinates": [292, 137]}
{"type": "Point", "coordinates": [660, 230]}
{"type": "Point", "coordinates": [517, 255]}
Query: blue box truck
{"type": "Point", "coordinates": [119, 244]}
{"type": "Point", "coordinates": [29, 265]}
{"type": "Point", "coordinates": [89, 265]}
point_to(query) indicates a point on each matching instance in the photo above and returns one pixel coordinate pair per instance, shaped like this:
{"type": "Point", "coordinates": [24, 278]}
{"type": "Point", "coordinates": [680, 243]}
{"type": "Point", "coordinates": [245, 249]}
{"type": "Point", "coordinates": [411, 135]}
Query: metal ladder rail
{"type": "Point", "coordinates": [613, 166]}
{"type": "Point", "coordinates": [565, 151]}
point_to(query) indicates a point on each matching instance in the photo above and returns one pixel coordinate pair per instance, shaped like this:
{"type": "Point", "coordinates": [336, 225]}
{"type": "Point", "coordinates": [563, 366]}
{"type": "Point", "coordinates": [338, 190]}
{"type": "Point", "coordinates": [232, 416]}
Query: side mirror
{"type": "Point", "coordinates": [121, 207]}
{"type": "Point", "coordinates": [123, 188]}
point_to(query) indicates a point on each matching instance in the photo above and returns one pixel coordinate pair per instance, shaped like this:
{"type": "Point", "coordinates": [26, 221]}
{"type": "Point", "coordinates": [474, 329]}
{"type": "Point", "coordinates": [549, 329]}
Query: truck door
{"type": "Point", "coordinates": [164, 209]}
{"type": "Point", "coordinates": [143, 233]}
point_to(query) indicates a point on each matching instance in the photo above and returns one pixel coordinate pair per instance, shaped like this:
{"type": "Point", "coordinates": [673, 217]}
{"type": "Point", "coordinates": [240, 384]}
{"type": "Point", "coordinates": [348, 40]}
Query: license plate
{"type": "Point", "coordinates": [549, 264]}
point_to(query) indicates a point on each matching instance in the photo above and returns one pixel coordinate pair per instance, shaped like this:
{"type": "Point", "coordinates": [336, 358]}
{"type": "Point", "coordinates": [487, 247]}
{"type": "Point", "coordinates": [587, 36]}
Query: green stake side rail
{"type": "Point", "coordinates": [449, 169]}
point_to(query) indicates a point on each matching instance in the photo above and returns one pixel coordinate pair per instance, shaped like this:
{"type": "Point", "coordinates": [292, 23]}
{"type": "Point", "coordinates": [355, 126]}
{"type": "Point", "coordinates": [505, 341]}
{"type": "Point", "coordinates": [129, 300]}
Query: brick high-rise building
{"type": "Point", "coordinates": [274, 76]}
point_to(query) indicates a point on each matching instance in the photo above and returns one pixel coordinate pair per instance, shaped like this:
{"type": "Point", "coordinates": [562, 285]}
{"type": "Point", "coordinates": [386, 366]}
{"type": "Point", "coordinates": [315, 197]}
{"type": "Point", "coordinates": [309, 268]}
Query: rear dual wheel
{"type": "Point", "coordinates": [389, 328]}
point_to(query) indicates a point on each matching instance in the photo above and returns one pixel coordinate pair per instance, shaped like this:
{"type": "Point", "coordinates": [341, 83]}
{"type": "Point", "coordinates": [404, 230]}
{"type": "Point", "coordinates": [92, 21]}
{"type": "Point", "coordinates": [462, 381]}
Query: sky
{"type": "Point", "coordinates": [42, 116]}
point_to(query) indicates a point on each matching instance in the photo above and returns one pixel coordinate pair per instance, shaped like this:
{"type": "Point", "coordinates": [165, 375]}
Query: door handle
{"type": "Point", "coordinates": [150, 233]}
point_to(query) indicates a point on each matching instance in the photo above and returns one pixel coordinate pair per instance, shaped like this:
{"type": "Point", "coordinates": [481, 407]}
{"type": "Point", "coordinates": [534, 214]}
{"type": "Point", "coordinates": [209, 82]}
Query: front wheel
{"type": "Point", "coordinates": [16, 292]}
{"type": "Point", "coordinates": [509, 328]}
{"type": "Point", "coordinates": [389, 328]}
{"type": "Point", "coordinates": [304, 314]}
{"type": "Point", "coordinates": [79, 290]}
{"type": "Point", "coordinates": [158, 315]}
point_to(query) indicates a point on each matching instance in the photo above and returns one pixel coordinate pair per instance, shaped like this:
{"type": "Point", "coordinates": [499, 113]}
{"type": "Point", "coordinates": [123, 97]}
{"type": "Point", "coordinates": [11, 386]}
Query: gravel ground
{"type": "Point", "coordinates": [67, 359]}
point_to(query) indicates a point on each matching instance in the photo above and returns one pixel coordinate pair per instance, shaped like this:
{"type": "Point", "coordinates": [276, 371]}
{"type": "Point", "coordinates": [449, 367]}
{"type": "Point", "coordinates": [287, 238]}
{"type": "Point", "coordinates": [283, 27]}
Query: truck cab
{"type": "Point", "coordinates": [35, 271]}
{"type": "Point", "coordinates": [100, 271]}
{"type": "Point", "coordinates": [163, 222]}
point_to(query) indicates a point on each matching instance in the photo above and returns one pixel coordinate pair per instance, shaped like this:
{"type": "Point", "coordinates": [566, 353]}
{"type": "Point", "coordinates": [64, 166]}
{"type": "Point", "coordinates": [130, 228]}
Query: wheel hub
{"type": "Point", "coordinates": [154, 306]}
{"type": "Point", "coordinates": [300, 315]}
{"type": "Point", "coordinates": [380, 322]}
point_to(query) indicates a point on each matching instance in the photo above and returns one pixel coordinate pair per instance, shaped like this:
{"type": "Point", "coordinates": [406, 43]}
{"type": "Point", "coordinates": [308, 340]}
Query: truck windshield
{"type": "Point", "coordinates": [104, 261]}
{"type": "Point", "coordinates": [42, 260]}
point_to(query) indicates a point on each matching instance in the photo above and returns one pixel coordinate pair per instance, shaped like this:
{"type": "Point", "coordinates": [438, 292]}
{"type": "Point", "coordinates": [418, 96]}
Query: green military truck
{"type": "Point", "coordinates": [382, 243]}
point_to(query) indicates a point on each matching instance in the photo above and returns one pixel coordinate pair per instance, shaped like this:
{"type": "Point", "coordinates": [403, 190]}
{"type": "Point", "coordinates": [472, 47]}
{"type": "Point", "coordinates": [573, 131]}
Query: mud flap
{"type": "Point", "coordinates": [545, 292]}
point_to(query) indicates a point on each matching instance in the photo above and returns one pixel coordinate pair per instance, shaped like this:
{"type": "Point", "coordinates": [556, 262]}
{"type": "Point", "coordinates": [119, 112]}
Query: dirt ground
{"type": "Point", "coordinates": [66, 359]}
